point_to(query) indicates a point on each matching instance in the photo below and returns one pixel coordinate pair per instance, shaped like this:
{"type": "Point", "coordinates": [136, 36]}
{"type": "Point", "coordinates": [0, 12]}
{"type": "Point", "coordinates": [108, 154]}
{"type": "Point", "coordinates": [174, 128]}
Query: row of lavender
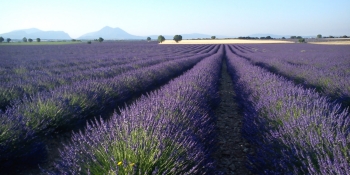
{"type": "Point", "coordinates": [30, 120]}
{"type": "Point", "coordinates": [170, 131]}
{"type": "Point", "coordinates": [326, 68]}
{"type": "Point", "coordinates": [294, 130]}
{"type": "Point", "coordinates": [29, 79]}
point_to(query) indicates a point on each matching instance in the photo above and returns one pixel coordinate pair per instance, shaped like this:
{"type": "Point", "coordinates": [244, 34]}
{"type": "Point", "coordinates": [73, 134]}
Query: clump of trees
{"type": "Point", "coordinates": [296, 37]}
{"type": "Point", "coordinates": [246, 37]}
{"type": "Point", "coordinates": [177, 38]}
{"type": "Point", "coordinates": [213, 37]}
{"type": "Point", "coordinates": [89, 42]}
{"type": "Point", "coordinates": [148, 39]}
{"type": "Point", "coordinates": [1, 39]}
{"type": "Point", "coordinates": [38, 40]}
{"type": "Point", "coordinates": [301, 40]}
{"type": "Point", "coordinates": [293, 37]}
{"type": "Point", "coordinates": [267, 37]}
{"type": "Point", "coordinates": [161, 38]}
{"type": "Point", "coordinates": [24, 39]}
{"type": "Point", "coordinates": [100, 39]}
{"type": "Point", "coordinates": [319, 36]}
{"type": "Point", "coordinates": [30, 40]}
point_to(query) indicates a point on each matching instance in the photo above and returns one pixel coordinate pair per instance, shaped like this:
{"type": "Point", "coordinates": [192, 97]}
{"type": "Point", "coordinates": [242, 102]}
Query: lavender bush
{"type": "Point", "coordinates": [168, 132]}
{"type": "Point", "coordinates": [294, 130]}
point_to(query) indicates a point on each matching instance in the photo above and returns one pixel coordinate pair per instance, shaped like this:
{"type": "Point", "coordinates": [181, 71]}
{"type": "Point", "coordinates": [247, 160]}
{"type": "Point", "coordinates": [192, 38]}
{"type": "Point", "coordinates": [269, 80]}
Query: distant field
{"type": "Point", "coordinates": [37, 43]}
{"type": "Point", "coordinates": [332, 42]}
{"type": "Point", "coordinates": [231, 41]}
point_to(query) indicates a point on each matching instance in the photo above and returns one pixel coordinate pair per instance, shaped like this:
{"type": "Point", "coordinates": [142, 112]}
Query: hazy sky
{"type": "Point", "coordinates": [169, 17]}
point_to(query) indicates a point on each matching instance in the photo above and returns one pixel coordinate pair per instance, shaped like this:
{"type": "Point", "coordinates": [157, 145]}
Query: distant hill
{"type": "Point", "coordinates": [36, 33]}
{"type": "Point", "coordinates": [110, 33]}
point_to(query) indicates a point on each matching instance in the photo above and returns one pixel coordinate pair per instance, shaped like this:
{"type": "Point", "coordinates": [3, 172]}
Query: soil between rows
{"type": "Point", "coordinates": [232, 149]}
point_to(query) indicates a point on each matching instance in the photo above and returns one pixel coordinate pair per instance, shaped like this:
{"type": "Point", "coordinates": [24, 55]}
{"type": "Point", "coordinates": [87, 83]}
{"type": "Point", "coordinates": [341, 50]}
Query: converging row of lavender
{"type": "Point", "coordinates": [294, 130]}
{"type": "Point", "coordinates": [33, 74]}
{"type": "Point", "coordinates": [325, 68]}
{"type": "Point", "coordinates": [170, 131]}
{"type": "Point", "coordinates": [29, 120]}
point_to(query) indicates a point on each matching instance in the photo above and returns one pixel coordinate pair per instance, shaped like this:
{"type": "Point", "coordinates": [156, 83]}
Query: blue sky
{"type": "Point", "coordinates": [166, 17]}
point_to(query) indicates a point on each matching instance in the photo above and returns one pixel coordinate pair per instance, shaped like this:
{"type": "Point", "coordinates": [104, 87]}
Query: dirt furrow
{"type": "Point", "coordinates": [232, 151]}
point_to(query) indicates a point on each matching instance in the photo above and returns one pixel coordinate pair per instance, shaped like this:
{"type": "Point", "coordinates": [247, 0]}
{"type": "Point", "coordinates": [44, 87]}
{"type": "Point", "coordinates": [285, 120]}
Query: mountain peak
{"type": "Point", "coordinates": [29, 31]}
{"type": "Point", "coordinates": [36, 33]}
{"type": "Point", "coordinates": [109, 33]}
{"type": "Point", "coordinates": [106, 27]}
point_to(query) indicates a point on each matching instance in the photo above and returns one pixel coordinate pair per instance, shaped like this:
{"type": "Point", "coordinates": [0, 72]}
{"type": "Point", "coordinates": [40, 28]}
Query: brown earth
{"type": "Point", "coordinates": [231, 155]}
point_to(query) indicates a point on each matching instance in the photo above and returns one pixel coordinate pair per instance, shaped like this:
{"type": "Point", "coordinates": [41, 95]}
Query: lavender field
{"type": "Point", "coordinates": [144, 108]}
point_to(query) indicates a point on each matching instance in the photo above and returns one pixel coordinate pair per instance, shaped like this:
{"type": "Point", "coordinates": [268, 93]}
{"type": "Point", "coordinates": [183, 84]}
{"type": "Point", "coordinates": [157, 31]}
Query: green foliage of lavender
{"type": "Point", "coordinates": [167, 132]}
{"type": "Point", "coordinates": [295, 130]}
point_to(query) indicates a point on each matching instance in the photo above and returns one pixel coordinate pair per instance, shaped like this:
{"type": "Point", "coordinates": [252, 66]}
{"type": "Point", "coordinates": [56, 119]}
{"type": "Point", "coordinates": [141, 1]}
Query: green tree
{"type": "Point", "coordinates": [1, 39]}
{"type": "Point", "coordinates": [268, 37]}
{"type": "Point", "coordinates": [24, 39]}
{"type": "Point", "coordinates": [177, 38]}
{"type": "Point", "coordinates": [100, 39]}
{"type": "Point", "coordinates": [299, 37]}
{"type": "Point", "coordinates": [161, 38]}
{"type": "Point", "coordinates": [293, 37]}
{"type": "Point", "coordinates": [148, 39]}
{"type": "Point", "coordinates": [38, 39]}
{"type": "Point", "coordinates": [213, 37]}
{"type": "Point", "coordinates": [8, 40]}
{"type": "Point", "coordinates": [89, 42]}
{"type": "Point", "coordinates": [30, 40]}
{"type": "Point", "coordinates": [283, 38]}
{"type": "Point", "coordinates": [319, 36]}
{"type": "Point", "coordinates": [344, 36]}
{"type": "Point", "coordinates": [301, 40]}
